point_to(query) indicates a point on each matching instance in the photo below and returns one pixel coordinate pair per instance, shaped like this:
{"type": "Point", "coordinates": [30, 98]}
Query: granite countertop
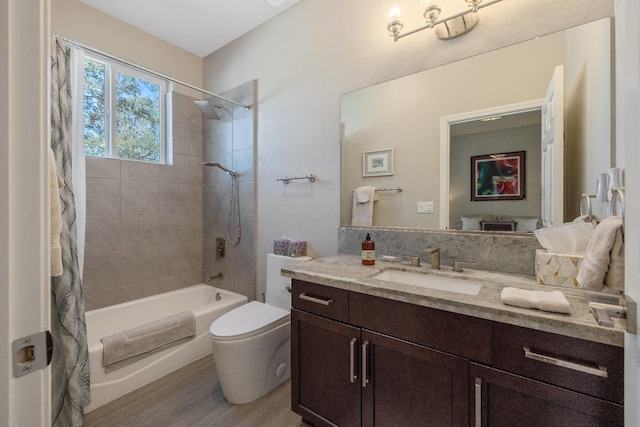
{"type": "Point", "coordinates": [347, 272]}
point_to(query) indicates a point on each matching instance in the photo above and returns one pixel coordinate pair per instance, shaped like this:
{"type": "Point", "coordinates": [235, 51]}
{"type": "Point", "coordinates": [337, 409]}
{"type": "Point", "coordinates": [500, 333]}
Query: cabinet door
{"type": "Point", "coordinates": [325, 383]}
{"type": "Point", "coordinates": [504, 399]}
{"type": "Point", "coordinates": [412, 385]}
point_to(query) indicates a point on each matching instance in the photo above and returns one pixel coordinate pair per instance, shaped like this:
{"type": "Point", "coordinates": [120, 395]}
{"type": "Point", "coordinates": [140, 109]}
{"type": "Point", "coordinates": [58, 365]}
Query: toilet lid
{"type": "Point", "coordinates": [247, 321]}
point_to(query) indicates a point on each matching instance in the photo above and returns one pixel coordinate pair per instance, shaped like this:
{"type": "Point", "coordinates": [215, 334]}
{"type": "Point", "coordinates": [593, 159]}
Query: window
{"type": "Point", "coordinates": [124, 112]}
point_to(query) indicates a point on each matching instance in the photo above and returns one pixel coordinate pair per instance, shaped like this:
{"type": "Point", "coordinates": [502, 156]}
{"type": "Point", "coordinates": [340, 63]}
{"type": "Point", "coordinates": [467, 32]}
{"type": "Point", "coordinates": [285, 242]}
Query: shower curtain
{"type": "Point", "coordinates": [70, 362]}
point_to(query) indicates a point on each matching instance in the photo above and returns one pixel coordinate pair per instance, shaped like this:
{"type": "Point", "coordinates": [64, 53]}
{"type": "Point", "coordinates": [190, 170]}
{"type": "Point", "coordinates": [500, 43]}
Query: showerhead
{"type": "Point", "coordinates": [209, 110]}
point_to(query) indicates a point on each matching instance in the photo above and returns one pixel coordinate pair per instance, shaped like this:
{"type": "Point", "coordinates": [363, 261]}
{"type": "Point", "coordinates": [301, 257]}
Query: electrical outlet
{"type": "Point", "coordinates": [425, 207]}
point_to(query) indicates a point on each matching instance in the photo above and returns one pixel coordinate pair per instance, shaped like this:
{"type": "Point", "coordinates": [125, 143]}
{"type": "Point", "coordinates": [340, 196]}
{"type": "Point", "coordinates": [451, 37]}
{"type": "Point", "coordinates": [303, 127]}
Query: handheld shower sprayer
{"type": "Point", "coordinates": [233, 217]}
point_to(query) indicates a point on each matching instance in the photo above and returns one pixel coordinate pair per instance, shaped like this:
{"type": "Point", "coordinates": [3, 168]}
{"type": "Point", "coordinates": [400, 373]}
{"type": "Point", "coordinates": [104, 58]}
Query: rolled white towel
{"type": "Point", "coordinates": [554, 301]}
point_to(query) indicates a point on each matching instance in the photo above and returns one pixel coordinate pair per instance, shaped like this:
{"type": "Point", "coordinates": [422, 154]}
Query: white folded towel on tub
{"type": "Point", "coordinates": [124, 348]}
{"type": "Point", "coordinates": [554, 301]}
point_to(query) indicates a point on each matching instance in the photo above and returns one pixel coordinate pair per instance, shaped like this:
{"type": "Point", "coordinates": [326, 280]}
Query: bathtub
{"type": "Point", "coordinates": [200, 299]}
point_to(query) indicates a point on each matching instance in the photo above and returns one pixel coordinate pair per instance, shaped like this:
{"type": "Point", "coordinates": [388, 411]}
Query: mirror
{"type": "Point", "coordinates": [392, 131]}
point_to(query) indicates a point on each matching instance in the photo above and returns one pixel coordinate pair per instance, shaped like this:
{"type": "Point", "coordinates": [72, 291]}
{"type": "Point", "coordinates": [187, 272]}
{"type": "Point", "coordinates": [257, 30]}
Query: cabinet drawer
{"type": "Point", "coordinates": [321, 300]}
{"type": "Point", "coordinates": [584, 366]}
{"type": "Point", "coordinates": [458, 334]}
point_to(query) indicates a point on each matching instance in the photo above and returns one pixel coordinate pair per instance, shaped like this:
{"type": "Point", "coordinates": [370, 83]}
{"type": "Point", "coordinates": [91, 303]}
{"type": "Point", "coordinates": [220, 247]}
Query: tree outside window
{"type": "Point", "coordinates": [134, 130]}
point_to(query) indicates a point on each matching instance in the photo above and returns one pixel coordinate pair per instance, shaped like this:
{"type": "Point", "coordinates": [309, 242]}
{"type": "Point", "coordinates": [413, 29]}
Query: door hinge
{"type": "Point", "coordinates": [31, 353]}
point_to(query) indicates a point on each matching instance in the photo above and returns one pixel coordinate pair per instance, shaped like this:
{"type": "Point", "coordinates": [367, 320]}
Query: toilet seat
{"type": "Point", "coordinates": [247, 321]}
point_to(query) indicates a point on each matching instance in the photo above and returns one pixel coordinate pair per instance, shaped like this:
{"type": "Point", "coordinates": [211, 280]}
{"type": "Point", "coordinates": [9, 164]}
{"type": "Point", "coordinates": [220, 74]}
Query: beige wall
{"type": "Point", "coordinates": [307, 57]}
{"type": "Point", "coordinates": [88, 25]}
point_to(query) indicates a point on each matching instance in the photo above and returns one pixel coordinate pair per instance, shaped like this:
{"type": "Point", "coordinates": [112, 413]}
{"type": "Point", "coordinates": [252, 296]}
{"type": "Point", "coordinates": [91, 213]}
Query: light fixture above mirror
{"type": "Point", "coordinates": [445, 28]}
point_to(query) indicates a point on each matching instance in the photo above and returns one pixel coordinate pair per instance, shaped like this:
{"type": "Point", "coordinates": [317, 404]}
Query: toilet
{"type": "Point", "coordinates": [251, 343]}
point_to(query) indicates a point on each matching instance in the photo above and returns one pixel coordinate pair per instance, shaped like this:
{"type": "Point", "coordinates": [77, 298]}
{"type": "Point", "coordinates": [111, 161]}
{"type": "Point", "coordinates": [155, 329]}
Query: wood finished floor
{"type": "Point", "coordinates": [191, 396]}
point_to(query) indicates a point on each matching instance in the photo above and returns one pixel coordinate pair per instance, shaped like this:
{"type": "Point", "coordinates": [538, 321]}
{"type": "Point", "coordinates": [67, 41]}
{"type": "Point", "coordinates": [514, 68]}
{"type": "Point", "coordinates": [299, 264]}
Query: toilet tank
{"type": "Point", "coordinates": [276, 293]}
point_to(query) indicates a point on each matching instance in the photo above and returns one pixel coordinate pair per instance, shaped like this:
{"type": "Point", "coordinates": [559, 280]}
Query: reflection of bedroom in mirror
{"type": "Point", "coordinates": [407, 114]}
{"type": "Point", "coordinates": [478, 203]}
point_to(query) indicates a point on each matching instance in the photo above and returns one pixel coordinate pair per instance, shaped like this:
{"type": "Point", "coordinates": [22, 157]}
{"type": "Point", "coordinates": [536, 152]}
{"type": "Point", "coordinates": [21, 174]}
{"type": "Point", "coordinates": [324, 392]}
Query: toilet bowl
{"type": "Point", "coordinates": [251, 344]}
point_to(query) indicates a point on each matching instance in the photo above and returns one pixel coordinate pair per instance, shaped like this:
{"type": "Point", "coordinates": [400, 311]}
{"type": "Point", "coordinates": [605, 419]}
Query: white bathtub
{"type": "Point", "coordinates": [199, 299]}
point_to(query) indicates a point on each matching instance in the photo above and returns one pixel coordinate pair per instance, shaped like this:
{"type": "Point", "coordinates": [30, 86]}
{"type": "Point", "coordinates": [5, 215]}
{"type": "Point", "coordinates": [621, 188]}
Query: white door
{"type": "Point", "coordinates": [552, 176]}
{"type": "Point", "coordinates": [24, 224]}
{"type": "Point", "coordinates": [628, 156]}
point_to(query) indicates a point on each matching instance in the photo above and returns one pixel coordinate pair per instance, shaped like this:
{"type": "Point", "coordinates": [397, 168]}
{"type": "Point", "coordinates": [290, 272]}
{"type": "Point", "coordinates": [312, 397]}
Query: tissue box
{"type": "Point", "coordinates": [281, 247]}
{"type": "Point", "coordinates": [292, 248]}
{"type": "Point", "coordinates": [297, 248]}
{"type": "Point", "coordinates": [557, 269]}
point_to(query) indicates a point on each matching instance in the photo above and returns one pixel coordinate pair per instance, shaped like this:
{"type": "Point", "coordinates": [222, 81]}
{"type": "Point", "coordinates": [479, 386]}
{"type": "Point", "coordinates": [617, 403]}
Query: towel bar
{"type": "Point", "coordinates": [311, 177]}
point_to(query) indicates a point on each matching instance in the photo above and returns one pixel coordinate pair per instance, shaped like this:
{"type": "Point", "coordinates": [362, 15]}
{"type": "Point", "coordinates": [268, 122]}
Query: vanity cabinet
{"type": "Point", "coordinates": [359, 359]}
{"type": "Point", "coordinates": [347, 376]}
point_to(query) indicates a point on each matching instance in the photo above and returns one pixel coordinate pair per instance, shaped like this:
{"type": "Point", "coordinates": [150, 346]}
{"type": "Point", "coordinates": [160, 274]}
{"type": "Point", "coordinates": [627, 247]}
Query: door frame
{"type": "Point", "coordinates": [445, 144]}
{"type": "Point", "coordinates": [24, 210]}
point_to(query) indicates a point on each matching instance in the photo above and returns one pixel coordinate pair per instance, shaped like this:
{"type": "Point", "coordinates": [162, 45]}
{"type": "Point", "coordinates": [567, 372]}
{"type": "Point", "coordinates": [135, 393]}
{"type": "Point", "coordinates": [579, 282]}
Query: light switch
{"type": "Point", "coordinates": [425, 207]}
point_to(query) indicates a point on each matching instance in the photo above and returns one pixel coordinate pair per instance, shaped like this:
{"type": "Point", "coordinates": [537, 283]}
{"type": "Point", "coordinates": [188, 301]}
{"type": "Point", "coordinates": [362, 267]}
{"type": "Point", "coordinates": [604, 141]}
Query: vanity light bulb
{"type": "Point", "coordinates": [394, 14]}
{"type": "Point", "coordinates": [395, 24]}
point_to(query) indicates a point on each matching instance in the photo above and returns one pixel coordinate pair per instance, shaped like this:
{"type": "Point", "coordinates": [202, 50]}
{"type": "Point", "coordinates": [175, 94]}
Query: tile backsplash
{"type": "Point", "coordinates": [499, 252]}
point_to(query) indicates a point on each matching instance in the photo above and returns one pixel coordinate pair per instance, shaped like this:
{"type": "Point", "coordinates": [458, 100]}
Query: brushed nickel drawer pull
{"type": "Point", "coordinates": [365, 381]}
{"type": "Point", "coordinates": [321, 301]}
{"type": "Point", "coordinates": [478, 402]}
{"type": "Point", "coordinates": [600, 371]}
{"type": "Point", "coordinates": [352, 362]}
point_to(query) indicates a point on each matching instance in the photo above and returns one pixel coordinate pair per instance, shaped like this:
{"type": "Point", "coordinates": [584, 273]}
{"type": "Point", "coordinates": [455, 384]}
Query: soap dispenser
{"type": "Point", "coordinates": [368, 251]}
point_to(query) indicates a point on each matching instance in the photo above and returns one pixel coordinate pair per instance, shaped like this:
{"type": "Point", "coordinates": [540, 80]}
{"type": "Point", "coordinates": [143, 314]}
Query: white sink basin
{"type": "Point", "coordinates": [431, 281]}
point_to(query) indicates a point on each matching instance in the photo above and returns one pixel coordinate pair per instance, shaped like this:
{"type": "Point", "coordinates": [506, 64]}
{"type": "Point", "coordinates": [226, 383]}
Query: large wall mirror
{"type": "Point", "coordinates": [421, 133]}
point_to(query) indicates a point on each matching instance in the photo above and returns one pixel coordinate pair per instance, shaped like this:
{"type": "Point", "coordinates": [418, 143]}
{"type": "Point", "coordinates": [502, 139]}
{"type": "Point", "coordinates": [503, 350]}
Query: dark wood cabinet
{"type": "Point", "coordinates": [503, 399]}
{"type": "Point", "coordinates": [323, 390]}
{"type": "Point", "coordinates": [412, 385]}
{"type": "Point", "coordinates": [364, 360]}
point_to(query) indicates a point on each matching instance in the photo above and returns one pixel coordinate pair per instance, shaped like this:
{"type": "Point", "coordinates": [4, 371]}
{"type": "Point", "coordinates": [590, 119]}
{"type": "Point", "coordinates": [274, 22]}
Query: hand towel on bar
{"type": "Point", "coordinates": [554, 301]}
{"type": "Point", "coordinates": [55, 214]}
{"type": "Point", "coordinates": [124, 348]}
{"type": "Point", "coordinates": [598, 258]}
{"type": "Point", "coordinates": [362, 209]}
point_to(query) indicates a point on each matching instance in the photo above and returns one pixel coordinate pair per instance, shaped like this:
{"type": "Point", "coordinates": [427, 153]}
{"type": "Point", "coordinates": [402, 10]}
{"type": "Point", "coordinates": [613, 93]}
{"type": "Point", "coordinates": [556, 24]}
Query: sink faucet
{"type": "Point", "coordinates": [435, 257]}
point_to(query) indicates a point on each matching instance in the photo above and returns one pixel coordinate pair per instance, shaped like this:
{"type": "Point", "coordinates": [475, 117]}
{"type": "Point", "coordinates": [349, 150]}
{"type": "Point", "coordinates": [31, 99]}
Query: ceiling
{"type": "Point", "coordinates": [198, 26]}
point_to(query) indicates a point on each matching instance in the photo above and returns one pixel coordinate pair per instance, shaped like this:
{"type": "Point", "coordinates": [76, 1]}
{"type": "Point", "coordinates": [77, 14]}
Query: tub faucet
{"type": "Point", "coordinates": [214, 277]}
{"type": "Point", "coordinates": [435, 257]}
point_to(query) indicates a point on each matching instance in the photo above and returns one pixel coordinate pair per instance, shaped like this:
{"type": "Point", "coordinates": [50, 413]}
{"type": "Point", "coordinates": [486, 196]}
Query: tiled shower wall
{"type": "Point", "coordinates": [230, 141]}
{"type": "Point", "coordinates": [144, 221]}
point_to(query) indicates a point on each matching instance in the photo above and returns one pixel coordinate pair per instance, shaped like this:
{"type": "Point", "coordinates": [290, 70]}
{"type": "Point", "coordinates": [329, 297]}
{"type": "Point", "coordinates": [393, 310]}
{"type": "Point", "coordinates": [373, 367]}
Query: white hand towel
{"type": "Point", "coordinates": [614, 280]}
{"type": "Point", "coordinates": [362, 212]}
{"type": "Point", "coordinates": [594, 268]}
{"type": "Point", "coordinates": [55, 214]}
{"type": "Point", "coordinates": [362, 194]}
{"type": "Point", "coordinates": [554, 301]}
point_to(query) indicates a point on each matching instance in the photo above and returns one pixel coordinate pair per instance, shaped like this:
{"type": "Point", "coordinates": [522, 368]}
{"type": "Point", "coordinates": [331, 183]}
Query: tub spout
{"type": "Point", "coordinates": [215, 277]}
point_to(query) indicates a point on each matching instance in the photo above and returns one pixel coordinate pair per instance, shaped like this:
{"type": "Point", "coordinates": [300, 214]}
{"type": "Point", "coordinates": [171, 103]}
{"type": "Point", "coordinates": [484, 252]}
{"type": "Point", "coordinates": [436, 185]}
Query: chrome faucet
{"type": "Point", "coordinates": [435, 257]}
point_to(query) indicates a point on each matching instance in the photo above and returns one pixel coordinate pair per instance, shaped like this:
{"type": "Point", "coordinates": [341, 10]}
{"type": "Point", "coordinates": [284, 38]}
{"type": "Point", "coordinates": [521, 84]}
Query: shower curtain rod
{"type": "Point", "coordinates": [76, 43]}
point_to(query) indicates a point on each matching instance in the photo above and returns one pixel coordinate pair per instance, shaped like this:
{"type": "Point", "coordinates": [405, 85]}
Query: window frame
{"type": "Point", "coordinates": [112, 68]}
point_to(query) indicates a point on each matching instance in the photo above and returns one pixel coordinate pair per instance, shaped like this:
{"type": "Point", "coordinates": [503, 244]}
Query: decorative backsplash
{"type": "Point", "coordinates": [498, 252]}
